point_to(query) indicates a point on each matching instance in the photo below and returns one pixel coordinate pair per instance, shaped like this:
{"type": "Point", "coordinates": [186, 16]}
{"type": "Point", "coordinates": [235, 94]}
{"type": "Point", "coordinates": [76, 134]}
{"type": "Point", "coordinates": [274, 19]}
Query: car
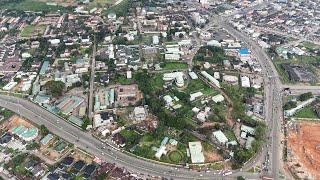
{"type": "Point", "coordinates": [201, 175]}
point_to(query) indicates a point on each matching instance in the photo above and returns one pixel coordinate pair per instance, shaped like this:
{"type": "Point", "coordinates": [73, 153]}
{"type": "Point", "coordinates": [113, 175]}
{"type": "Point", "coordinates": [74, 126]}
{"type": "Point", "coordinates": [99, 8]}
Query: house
{"type": "Point", "coordinates": [79, 165]}
{"type": "Point", "coordinates": [218, 98]}
{"type": "Point", "coordinates": [102, 119]}
{"type": "Point", "coordinates": [162, 149]}
{"type": "Point", "coordinates": [67, 161]}
{"type": "Point", "coordinates": [221, 138]}
{"type": "Point", "coordinates": [45, 140]}
{"type": "Point", "coordinates": [245, 81]}
{"type": "Point", "coordinates": [196, 152]}
{"type": "Point", "coordinates": [246, 131]}
{"type": "Point", "coordinates": [139, 113]}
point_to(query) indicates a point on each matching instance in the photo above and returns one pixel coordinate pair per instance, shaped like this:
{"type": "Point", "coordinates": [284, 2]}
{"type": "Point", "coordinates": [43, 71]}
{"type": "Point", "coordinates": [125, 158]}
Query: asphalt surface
{"type": "Point", "coordinates": [87, 142]}
{"type": "Point", "coordinates": [92, 77]}
{"type": "Point", "coordinates": [273, 99]}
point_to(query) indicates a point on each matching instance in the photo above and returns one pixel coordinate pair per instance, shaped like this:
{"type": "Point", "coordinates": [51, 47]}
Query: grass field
{"type": "Point", "coordinates": [306, 112]}
{"type": "Point", "coordinates": [101, 3]}
{"type": "Point", "coordinates": [198, 85]}
{"type": "Point", "coordinates": [31, 30]}
{"type": "Point", "coordinates": [174, 65]}
{"type": "Point", "coordinates": [32, 5]}
{"type": "Point", "coordinates": [175, 156]}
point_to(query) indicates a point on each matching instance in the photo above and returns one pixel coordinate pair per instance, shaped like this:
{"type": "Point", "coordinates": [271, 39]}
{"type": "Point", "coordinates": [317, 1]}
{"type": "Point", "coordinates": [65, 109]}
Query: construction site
{"type": "Point", "coordinates": [303, 149]}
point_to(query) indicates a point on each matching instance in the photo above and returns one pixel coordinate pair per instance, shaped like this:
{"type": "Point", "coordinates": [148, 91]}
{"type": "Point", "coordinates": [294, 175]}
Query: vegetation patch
{"type": "Point", "coordinates": [175, 156]}
{"type": "Point", "coordinates": [32, 5]}
{"type": "Point", "coordinates": [32, 30]}
{"type": "Point", "coordinates": [307, 112]}
{"type": "Point", "coordinates": [174, 65]}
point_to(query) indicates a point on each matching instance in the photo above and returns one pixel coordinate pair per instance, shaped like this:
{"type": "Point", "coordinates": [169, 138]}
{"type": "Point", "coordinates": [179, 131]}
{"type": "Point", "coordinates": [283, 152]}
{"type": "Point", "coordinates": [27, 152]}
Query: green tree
{"type": "Point", "coordinates": [86, 122]}
{"type": "Point", "coordinates": [305, 96]}
{"type": "Point", "coordinates": [290, 105]}
{"type": "Point", "coordinates": [55, 88]}
{"type": "Point", "coordinates": [44, 130]}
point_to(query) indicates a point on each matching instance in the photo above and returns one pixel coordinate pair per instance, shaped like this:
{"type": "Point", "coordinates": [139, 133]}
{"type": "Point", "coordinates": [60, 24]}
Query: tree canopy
{"type": "Point", "coordinates": [55, 88]}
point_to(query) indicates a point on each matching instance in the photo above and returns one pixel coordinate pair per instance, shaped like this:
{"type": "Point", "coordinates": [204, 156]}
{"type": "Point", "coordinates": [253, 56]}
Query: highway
{"type": "Point", "coordinates": [273, 98]}
{"type": "Point", "coordinates": [87, 142]}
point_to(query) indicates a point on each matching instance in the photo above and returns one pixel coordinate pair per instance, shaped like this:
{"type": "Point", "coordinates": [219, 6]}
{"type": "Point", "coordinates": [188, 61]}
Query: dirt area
{"type": "Point", "coordinates": [212, 156]}
{"type": "Point", "coordinates": [81, 155]}
{"type": "Point", "coordinates": [15, 121]}
{"type": "Point", "coordinates": [304, 141]}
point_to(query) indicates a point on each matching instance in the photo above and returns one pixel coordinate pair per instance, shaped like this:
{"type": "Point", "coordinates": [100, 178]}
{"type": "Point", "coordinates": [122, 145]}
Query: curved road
{"type": "Point", "coordinates": [93, 146]}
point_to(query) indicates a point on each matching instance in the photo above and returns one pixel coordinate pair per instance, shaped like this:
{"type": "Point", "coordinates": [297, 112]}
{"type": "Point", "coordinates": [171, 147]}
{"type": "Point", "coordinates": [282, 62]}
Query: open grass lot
{"type": "Point", "coordinates": [32, 5]}
{"type": "Point", "coordinates": [175, 156]}
{"type": "Point", "coordinates": [31, 30]}
{"type": "Point", "coordinates": [306, 112]}
{"type": "Point", "coordinates": [198, 85]}
{"type": "Point", "coordinates": [101, 3]}
{"type": "Point", "coordinates": [174, 65]}
{"type": "Point", "coordinates": [310, 46]}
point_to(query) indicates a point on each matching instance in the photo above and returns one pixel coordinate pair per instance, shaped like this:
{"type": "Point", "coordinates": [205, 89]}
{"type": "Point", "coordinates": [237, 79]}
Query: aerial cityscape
{"type": "Point", "coordinates": [159, 89]}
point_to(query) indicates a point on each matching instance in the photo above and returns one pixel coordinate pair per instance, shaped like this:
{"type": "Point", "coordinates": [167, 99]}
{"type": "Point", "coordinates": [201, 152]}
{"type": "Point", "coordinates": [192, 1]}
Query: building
{"type": "Point", "coordinates": [27, 134]}
{"type": "Point", "coordinates": [45, 140]}
{"type": "Point", "coordinates": [196, 152]}
{"type": "Point", "coordinates": [218, 98]}
{"type": "Point", "coordinates": [210, 78]}
{"type": "Point", "coordinates": [245, 81]}
{"type": "Point", "coordinates": [221, 138]}
{"type": "Point", "coordinates": [139, 113]}
{"type": "Point", "coordinates": [193, 96]}
{"type": "Point", "coordinates": [128, 95]}
{"type": "Point", "coordinates": [177, 76]}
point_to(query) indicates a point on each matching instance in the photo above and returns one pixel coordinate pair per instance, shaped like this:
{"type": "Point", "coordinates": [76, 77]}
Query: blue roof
{"type": "Point", "coordinates": [244, 51]}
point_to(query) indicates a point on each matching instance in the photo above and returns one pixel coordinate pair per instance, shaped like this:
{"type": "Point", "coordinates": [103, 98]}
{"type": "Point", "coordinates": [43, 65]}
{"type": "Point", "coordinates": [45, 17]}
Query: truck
{"type": "Point", "coordinates": [227, 173]}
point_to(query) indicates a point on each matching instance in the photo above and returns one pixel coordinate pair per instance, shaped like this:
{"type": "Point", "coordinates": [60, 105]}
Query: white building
{"type": "Point", "coordinates": [193, 96]}
{"type": "Point", "coordinates": [211, 79]}
{"type": "Point", "coordinates": [218, 98]}
{"type": "Point", "coordinates": [172, 57]}
{"type": "Point", "coordinates": [230, 79]}
{"type": "Point", "coordinates": [245, 81]}
{"type": "Point", "coordinates": [177, 76]}
{"type": "Point", "coordinates": [193, 75]}
{"type": "Point", "coordinates": [196, 152]}
{"type": "Point", "coordinates": [222, 139]}
{"type": "Point", "coordinates": [155, 40]}
{"type": "Point", "coordinates": [139, 113]}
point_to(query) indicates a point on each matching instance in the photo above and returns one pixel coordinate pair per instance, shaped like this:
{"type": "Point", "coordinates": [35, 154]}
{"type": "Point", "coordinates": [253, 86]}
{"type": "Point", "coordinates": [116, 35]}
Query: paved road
{"type": "Point", "coordinates": [92, 77]}
{"type": "Point", "coordinates": [93, 146]}
{"type": "Point", "coordinates": [273, 98]}
{"type": "Point", "coordinates": [299, 89]}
